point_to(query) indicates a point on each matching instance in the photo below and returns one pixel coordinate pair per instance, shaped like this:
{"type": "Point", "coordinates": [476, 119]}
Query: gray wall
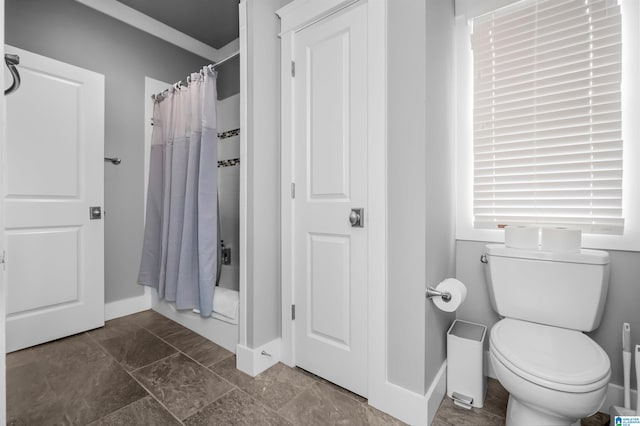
{"type": "Point", "coordinates": [623, 300]}
{"type": "Point", "coordinates": [263, 169]}
{"type": "Point", "coordinates": [420, 170]}
{"type": "Point", "coordinates": [70, 32]}
{"type": "Point", "coordinates": [228, 82]}
{"type": "Point", "coordinates": [440, 169]}
{"type": "Point", "coordinates": [406, 192]}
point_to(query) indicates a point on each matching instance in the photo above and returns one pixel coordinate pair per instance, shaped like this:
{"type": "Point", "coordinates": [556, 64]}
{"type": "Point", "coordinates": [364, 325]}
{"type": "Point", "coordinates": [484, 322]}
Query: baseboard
{"type": "Point", "coordinates": [255, 361]}
{"type": "Point", "coordinates": [615, 396]}
{"type": "Point", "coordinates": [132, 305]}
{"type": "Point", "coordinates": [436, 392]}
{"type": "Point", "coordinates": [401, 403]}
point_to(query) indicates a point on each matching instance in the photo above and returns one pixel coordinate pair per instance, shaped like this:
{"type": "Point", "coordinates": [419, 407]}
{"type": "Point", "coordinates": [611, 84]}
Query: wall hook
{"type": "Point", "coordinates": [12, 61]}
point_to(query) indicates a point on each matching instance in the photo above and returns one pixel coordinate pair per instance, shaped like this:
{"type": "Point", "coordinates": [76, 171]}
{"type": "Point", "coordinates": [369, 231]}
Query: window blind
{"type": "Point", "coordinates": [547, 115]}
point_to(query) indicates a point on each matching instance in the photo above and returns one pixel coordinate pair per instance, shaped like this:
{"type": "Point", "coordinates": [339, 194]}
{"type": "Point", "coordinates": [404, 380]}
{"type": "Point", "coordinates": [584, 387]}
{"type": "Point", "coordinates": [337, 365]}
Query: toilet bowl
{"type": "Point", "coordinates": [553, 372]}
{"type": "Point", "coordinates": [554, 375]}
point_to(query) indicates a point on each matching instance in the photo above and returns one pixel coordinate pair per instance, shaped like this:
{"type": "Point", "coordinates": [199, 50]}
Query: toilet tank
{"type": "Point", "coordinates": [559, 289]}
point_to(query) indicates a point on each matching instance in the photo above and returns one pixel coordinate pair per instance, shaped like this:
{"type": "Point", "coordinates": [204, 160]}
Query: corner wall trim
{"type": "Point", "coordinates": [255, 361]}
{"type": "Point", "coordinates": [132, 305]}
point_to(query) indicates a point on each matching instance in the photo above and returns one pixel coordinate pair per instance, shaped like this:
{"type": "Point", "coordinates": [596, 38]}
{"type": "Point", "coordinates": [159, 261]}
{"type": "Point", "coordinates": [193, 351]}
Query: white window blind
{"type": "Point", "coordinates": [547, 115]}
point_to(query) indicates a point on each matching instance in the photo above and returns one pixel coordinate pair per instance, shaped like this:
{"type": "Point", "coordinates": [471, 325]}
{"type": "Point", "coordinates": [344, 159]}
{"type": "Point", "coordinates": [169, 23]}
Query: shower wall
{"type": "Point", "coordinates": [228, 111]}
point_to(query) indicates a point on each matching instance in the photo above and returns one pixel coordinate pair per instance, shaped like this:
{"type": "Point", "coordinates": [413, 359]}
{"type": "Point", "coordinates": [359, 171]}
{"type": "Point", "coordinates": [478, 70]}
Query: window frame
{"type": "Point", "coordinates": [630, 90]}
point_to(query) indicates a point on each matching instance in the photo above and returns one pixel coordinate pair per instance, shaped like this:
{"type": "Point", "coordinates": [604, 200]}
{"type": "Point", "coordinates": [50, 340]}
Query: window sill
{"type": "Point", "coordinates": [628, 242]}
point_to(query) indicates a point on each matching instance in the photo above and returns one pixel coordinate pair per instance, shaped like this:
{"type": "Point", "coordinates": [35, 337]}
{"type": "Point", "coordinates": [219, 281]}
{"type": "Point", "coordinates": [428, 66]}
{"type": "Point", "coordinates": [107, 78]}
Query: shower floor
{"type": "Point", "coordinates": [145, 369]}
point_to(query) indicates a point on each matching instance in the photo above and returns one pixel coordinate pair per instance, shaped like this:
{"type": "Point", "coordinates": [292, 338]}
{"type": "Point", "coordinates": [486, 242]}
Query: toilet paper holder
{"type": "Point", "coordinates": [432, 292]}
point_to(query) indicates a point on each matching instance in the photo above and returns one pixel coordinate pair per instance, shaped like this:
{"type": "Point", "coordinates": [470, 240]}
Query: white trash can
{"type": "Point", "coordinates": [466, 380]}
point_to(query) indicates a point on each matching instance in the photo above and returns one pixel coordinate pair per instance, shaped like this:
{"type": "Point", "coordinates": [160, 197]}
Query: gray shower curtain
{"type": "Point", "coordinates": [180, 248]}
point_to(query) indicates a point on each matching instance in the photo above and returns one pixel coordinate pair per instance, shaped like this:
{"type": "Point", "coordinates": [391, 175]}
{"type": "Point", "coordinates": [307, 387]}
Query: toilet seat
{"type": "Point", "coordinates": [556, 358]}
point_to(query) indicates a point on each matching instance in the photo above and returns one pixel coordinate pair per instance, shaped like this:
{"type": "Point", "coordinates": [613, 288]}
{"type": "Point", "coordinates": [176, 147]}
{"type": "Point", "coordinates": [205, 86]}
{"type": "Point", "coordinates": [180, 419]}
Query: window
{"type": "Point", "coordinates": [544, 118]}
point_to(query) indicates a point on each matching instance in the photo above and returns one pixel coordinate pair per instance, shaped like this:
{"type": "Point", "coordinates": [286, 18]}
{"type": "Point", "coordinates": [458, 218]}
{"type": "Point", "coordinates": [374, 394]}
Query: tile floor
{"type": "Point", "coordinates": [493, 412]}
{"type": "Point", "coordinates": [145, 369]}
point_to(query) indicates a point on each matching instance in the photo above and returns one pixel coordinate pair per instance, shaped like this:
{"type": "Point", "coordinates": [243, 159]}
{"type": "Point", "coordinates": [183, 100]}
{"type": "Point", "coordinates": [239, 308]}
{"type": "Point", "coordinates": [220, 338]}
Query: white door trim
{"type": "Point", "coordinates": [243, 324]}
{"type": "Point", "coordinates": [3, 293]}
{"type": "Point", "coordinates": [296, 16]}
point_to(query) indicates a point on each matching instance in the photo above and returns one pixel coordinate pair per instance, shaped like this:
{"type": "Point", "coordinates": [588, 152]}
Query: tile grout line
{"type": "Point", "coordinates": [155, 397]}
{"type": "Point", "coordinates": [149, 393]}
{"type": "Point", "coordinates": [215, 400]}
{"type": "Point", "coordinates": [233, 385]}
{"type": "Point", "coordinates": [315, 379]}
{"type": "Point", "coordinates": [191, 358]}
{"type": "Point", "coordinates": [257, 401]}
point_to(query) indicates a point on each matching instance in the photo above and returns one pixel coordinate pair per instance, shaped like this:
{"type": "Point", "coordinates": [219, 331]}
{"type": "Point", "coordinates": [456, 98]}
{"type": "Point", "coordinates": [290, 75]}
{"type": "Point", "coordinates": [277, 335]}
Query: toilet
{"type": "Point", "coordinates": [554, 373]}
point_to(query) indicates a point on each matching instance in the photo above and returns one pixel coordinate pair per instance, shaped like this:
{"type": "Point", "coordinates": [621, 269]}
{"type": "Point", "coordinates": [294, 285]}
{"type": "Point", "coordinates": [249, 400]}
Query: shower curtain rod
{"type": "Point", "coordinates": [160, 96]}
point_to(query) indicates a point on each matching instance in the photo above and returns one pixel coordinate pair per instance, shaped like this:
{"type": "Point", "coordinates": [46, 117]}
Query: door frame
{"type": "Point", "coordinates": [3, 290]}
{"type": "Point", "coordinates": [294, 17]}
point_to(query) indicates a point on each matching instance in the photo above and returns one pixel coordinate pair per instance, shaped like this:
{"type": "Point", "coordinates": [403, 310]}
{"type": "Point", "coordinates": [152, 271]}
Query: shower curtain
{"type": "Point", "coordinates": [180, 248]}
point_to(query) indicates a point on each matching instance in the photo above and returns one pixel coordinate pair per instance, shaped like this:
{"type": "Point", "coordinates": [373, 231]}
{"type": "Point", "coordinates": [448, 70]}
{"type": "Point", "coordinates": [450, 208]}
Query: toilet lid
{"type": "Point", "coordinates": [555, 355]}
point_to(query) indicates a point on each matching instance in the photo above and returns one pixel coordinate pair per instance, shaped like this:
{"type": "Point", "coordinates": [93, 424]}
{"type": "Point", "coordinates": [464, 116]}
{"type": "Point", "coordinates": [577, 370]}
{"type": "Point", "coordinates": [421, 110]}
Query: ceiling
{"type": "Point", "coordinates": [213, 22]}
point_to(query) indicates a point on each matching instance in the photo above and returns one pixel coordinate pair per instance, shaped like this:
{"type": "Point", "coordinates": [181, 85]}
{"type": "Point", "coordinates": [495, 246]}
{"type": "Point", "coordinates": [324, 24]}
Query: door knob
{"type": "Point", "coordinates": [95, 212]}
{"type": "Point", "coordinates": [356, 218]}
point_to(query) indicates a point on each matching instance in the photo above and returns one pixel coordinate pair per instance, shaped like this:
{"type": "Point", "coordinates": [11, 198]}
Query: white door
{"type": "Point", "coordinates": [330, 151]}
{"type": "Point", "coordinates": [53, 167]}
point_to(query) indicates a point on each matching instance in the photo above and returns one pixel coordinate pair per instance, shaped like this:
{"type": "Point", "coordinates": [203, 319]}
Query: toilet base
{"type": "Point", "coordinates": [519, 414]}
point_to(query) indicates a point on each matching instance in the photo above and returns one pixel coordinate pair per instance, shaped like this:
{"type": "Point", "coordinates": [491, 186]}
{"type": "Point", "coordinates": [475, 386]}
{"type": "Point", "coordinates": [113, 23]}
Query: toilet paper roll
{"type": "Point", "coordinates": [522, 237]}
{"type": "Point", "coordinates": [561, 240]}
{"type": "Point", "coordinates": [458, 293]}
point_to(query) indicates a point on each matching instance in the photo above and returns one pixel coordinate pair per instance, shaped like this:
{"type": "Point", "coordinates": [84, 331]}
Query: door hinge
{"type": "Point", "coordinates": [293, 69]}
{"type": "Point", "coordinates": [3, 261]}
{"type": "Point", "coordinates": [293, 312]}
{"type": "Point", "coordinates": [293, 190]}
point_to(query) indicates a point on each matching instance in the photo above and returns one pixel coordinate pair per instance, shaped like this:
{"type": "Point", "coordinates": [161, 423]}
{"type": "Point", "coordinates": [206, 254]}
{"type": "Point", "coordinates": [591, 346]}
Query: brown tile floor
{"type": "Point", "coordinates": [145, 369]}
{"type": "Point", "coordinates": [493, 412]}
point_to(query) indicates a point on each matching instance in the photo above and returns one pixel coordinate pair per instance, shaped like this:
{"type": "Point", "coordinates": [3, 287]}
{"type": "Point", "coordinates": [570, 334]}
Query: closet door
{"type": "Point", "coordinates": [331, 158]}
{"type": "Point", "coordinates": [54, 185]}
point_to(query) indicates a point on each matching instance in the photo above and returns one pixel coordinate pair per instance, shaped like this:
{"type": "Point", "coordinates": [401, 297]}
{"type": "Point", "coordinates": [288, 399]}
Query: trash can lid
{"type": "Point", "coordinates": [468, 330]}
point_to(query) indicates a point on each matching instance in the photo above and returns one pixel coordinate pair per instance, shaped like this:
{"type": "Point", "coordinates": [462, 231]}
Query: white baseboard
{"type": "Point", "coordinates": [255, 361]}
{"type": "Point", "coordinates": [132, 305]}
{"type": "Point", "coordinates": [615, 396]}
{"type": "Point", "coordinates": [401, 403]}
{"type": "Point", "coordinates": [436, 392]}
{"type": "Point", "coordinates": [410, 407]}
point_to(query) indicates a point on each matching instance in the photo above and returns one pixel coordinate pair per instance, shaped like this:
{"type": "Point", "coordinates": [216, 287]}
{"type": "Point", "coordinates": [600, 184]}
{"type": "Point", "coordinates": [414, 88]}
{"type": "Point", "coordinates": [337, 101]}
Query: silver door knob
{"type": "Point", "coordinates": [356, 218]}
{"type": "Point", "coordinates": [95, 212]}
